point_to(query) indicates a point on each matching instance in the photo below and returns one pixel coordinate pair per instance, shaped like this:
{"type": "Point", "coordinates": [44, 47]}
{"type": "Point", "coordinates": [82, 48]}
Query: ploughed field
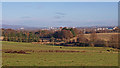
{"type": "Point", "coordinates": [28, 54]}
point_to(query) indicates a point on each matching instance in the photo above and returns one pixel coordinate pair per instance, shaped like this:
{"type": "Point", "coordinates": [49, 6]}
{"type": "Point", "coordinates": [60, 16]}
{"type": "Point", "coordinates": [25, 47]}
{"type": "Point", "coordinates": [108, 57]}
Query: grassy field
{"type": "Point", "coordinates": [88, 56]}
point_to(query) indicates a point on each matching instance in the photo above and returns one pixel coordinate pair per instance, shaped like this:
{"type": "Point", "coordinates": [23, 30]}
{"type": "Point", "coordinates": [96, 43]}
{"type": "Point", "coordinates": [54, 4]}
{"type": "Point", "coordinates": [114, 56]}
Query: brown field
{"type": "Point", "coordinates": [103, 36]}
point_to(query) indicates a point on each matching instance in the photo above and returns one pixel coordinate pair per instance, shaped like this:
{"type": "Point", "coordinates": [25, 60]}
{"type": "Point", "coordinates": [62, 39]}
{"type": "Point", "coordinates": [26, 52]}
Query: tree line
{"type": "Point", "coordinates": [65, 34]}
{"type": "Point", "coordinates": [34, 36]}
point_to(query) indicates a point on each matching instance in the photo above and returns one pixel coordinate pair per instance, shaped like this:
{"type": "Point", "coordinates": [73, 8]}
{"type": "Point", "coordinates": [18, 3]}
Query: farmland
{"type": "Point", "coordinates": [103, 36]}
{"type": "Point", "coordinates": [48, 55]}
{"type": "Point", "coordinates": [78, 34]}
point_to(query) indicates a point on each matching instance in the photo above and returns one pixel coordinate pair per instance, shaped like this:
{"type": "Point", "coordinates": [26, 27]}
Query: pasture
{"type": "Point", "coordinates": [47, 55]}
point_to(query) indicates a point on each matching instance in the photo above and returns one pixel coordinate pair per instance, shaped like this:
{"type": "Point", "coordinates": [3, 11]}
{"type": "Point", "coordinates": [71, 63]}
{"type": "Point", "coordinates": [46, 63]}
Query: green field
{"type": "Point", "coordinates": [88, 56]}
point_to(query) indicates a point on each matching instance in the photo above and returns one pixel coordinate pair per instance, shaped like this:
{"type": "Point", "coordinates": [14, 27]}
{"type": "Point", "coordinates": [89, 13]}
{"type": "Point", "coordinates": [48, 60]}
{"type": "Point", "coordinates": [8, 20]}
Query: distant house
{"type": "Point", "coordinates": [101, 28]}
{"type": "Point", "coordinates": [115, 28]}
{"type": "Point", "coordinates": [44, 40]}
{"type": "Point", "coordinates": [1, 37]}
{"type": "Point", "coordinates": [110, 28]}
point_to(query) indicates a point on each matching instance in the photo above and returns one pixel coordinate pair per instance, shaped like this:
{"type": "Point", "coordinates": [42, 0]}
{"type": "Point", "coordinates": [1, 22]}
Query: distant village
{"type": "Point", "coordinates": [85, 29]}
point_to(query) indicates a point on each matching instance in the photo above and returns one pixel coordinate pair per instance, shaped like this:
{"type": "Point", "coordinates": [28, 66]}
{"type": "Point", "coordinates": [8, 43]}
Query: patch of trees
{"type": "Point", "coordinates": [66, 33]}
{"type": "Point", "coordinates": [114, 41]}
{"type": "Point", "coordinates": [19, 36]}
{"type": "Point", "coordinates": [93, 41]}
{"type": "Point", "coordinates": [44, 33]}
{"type": "Point", "coordinates": [34, 36]}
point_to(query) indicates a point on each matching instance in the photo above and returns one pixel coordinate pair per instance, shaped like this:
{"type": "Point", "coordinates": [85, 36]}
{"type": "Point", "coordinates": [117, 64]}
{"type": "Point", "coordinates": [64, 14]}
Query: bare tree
{"type": "Point", "coordinates": [114, 41]}
{"type": "Point", "coordinates": [93, 38]}
{"type": "Point", "coordinates": [82, 39]}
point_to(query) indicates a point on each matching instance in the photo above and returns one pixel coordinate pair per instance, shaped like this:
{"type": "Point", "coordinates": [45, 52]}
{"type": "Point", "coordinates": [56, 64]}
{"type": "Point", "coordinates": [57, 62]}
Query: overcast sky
{"type": "Point", "coordinates": [56, 14]}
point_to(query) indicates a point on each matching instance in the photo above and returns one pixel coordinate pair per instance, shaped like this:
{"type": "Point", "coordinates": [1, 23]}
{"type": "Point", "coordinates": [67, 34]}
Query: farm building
{"type": "Point", "coordinates": [44, 40]}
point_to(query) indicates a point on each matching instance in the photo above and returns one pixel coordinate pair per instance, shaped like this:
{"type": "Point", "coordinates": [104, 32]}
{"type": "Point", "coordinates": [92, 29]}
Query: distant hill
{"type": "Point", "coordinates": [17, 27]}
{"type": "Point", "coordinates": [11, 26]}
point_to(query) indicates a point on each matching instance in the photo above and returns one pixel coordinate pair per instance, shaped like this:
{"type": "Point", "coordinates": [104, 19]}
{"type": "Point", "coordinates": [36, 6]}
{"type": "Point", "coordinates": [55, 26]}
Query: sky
{"type": "Point", "coordinates": [57, 14]}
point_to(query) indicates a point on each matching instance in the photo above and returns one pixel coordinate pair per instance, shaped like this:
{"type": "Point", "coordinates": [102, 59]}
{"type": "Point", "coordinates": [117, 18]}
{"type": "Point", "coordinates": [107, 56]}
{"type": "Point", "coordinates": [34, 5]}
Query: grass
{"type": "Point", "coordinates": [94, 56]}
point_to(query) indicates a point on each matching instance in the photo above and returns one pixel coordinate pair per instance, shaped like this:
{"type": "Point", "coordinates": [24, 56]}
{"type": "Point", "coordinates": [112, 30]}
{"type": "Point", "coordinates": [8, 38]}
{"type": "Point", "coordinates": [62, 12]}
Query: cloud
{"type": "Point", "coordinates": [58, 17]}
{"type": "Point", "coordinates": [60, 13]}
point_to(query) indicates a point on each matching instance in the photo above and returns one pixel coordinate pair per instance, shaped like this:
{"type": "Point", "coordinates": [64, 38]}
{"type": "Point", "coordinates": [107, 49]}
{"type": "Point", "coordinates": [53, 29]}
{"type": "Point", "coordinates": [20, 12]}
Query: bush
{"type": "Point", "coordinates": [99, 43]}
